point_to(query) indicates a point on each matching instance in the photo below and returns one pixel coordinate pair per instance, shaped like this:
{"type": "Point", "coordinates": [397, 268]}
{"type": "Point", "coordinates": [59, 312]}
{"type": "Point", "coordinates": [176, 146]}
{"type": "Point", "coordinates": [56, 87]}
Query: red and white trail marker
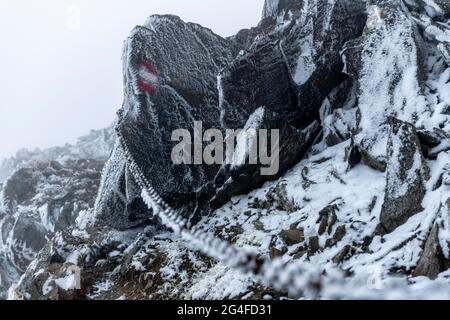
{"type": "Point", "coordinates": [147, 77]}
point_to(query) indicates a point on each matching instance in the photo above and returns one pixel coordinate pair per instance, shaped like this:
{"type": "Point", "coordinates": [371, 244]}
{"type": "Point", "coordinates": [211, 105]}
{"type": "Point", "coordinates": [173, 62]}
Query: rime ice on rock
{"type": "Point", "coordinates": [170, 72]}
{"type": "Point", "coordinates": [292, 68]}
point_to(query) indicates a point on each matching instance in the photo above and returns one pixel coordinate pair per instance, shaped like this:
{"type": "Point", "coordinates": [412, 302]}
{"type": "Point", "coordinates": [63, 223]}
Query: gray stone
{"type": "Point", "coordinates": [444, 48]}
{"type": "Point", "coordinates": [407, 173]}
{"type": "Point", "coordinates": [431, 262]}
{"type": "Point", "coordinates": [339, 234]}
{"type": "Point", "coordinates": [313, 245]}
{"type": "Point", "coordinates": [292, 236]}
{"type": "Point", "coordinates": [327, 218]}
{"type": "Point", "coordinates": [342, 255]}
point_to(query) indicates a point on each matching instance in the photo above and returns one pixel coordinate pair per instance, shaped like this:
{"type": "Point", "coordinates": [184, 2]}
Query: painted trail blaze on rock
{"type": "Point", "coordinates": [148, 77]}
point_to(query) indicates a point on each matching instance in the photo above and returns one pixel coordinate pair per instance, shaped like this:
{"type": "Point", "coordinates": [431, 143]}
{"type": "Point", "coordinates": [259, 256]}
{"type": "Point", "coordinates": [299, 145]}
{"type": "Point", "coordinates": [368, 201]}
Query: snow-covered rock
{"type": "Point", "coordinates": [406, 176]}
{"type": "Point", "coordinates": [170, 70]}
{"type": "Point", "coordinates": [359, 212]}
{"type": "Point", "coordinates": [242, 175]}
{"type": "Point", "coordinates": [291, 69]}
{"type": "Point", "coordinates": [43, 196]}
{"type": "Point", "coordinates": [388, 64]}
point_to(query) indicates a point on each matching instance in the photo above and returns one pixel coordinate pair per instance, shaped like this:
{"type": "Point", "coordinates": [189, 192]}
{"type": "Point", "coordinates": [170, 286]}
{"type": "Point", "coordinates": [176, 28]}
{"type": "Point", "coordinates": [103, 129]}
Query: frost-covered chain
{"type": "Point", "coordinates": [276, 274]}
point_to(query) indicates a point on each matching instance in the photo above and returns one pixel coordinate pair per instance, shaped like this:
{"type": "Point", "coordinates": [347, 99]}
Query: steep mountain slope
{"type": "Point", "coordinates": [44, 194]}
{"type": "Point", "coordinates": [360, 208]}
{"type": "Point", "coordinates": [96, 145]}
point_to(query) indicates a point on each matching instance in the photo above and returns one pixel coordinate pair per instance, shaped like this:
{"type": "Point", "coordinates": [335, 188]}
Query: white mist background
{"type": "Point", "coordinates": [60, 79]}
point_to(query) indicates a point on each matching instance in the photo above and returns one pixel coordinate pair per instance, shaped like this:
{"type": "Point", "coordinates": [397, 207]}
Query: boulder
{"type": "Point", "coordinates": [292, 69]}
{"type": "Point", "coordinates": [286, 65]}
{"type": "Point", "coordinates": [26, 238]}
{"type": "Point", "coordinates": [431, 262]}
{"type": "Point", "coordinates": [292, 236]}
{"type": "Point", "coordinates": [327, 218]}
{"type": "Point", "coordinates": [406, 175]}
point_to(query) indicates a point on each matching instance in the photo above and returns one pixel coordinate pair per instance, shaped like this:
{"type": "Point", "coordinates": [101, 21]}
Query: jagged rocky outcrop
{"type": "Point", "coordinates": [273, 8]}
{"type": "Point", "coordinates": [43, 196]}
{"type": "Point", "coordinates": [432, 260]}
{"type": "Point", "coordinates": [170, 72]}
{"type": "Point", "coordinates": [386, 60]}
{"type": "Point", "coordinates": [51, 201]}
{"type": "Point", "coordinates": [292, 69]}
{"type": "Point", "coordinates": [359, 93]}
{"type": "Point", "coordinates": [288, 67]}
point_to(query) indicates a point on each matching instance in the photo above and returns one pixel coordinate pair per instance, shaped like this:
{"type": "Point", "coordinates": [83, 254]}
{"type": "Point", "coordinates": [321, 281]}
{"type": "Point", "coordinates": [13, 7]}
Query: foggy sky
{"type": "Point", "coordinates": [58, 81]}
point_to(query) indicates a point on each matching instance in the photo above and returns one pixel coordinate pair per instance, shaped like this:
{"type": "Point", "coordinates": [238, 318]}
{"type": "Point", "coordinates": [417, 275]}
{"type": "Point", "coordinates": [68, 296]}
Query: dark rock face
{"type": "Point", "coordinates": [257, 79]}
{"type": "Point", "coordinates": [19, 188]}
{"type": "Point", "coordinates": [293, 143]}
{"type": "Point", "coordinates": [313, 50]}
{"type": "Point", "coordinates": [116, 191]}
{"type": "Point", "coordinates": [434, 142]}
{"type": "Point", "coordinates": [292, 69]}
{"type": "Point", "coordinates": [170, 72]}
{"type": "Point", "coordinates": [289, 72]}
{"type": "Point", "coordinates": [406, 173]}
{"type": "Point", "coordinates": [28, 238]}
